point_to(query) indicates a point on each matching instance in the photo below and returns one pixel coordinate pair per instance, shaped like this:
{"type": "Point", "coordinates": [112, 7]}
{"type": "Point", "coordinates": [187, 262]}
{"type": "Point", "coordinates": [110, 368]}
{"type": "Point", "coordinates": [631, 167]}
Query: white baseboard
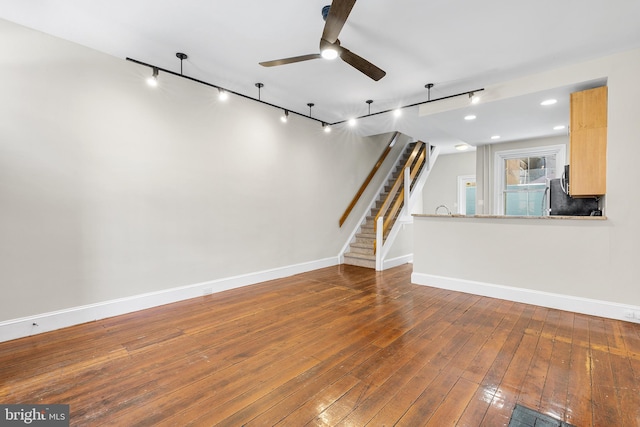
{"type": "Point", "coordinates": [31, 325]}
{"type": "Point", "coordinates": [394, 262]}
{"type": "Point", "coordinates": [610, 310]}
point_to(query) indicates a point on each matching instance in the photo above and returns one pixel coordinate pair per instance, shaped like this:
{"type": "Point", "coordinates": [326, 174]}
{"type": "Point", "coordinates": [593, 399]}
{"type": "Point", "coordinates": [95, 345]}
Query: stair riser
{"type": "Point", "coordinates": [363, 251]}
{"type": "Point", "coordinates": [359, 262]}
{"type": "Point", "coordinates": [365, 241]}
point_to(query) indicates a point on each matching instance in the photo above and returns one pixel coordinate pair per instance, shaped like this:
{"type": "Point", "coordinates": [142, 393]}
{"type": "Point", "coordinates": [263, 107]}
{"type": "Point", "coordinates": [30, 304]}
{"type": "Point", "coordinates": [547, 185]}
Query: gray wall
{"type": "Point", "coordinates": [442, 186]}
{"type": "Point", "coordinates": [109, 188]}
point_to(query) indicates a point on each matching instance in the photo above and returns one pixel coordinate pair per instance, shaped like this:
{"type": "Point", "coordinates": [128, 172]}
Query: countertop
{"type": "Point", "coordinates": [549, 217]}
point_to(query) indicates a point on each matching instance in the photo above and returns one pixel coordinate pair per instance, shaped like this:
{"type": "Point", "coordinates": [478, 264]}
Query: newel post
{"type": "Point", "coordinates": [379, 243]}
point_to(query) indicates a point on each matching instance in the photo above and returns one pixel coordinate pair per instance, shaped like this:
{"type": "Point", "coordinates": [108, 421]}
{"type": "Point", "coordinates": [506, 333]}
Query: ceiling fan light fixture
{"type": "Point", "coordinates": [329, 53]}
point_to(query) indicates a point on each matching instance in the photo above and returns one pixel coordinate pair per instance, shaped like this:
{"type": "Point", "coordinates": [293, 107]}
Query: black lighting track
{"type": "Point", "coordinates": [408, 106]}
{"type": "Point", "coordinates": [324, 122]}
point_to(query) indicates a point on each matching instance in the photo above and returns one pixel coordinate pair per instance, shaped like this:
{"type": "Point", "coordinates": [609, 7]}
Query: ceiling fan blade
{"type": "Point", "coordinates": [361, 64]}
{"type": "Point", "coordinates": [291, 60]}
{"type": "Point", "coordinates": [338, 14]}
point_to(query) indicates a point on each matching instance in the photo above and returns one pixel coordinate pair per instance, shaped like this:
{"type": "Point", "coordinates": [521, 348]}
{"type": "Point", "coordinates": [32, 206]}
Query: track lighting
{"type": "Point", "coordinates": [428, 87]}
{"type": "Point", "coordinates": [369, 102]}
{"type": "Point", "coordinates": [259, 86]}
{"type": "Point", "coordinates": [224, 93]}
{"type": "Point", "coordinates": [397, 112]}
{"type": "Point", "coordinates": [473, 98]}
{"type": "Point", "coordinates": [181, 56]}
{"type": "Point", "coordinates": [153, 80]}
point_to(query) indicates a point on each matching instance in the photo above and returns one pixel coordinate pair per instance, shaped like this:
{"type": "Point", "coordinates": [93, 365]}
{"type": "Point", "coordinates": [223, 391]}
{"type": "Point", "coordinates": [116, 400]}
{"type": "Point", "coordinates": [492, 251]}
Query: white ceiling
{"type": "Point", "coordinates": [458, 45]}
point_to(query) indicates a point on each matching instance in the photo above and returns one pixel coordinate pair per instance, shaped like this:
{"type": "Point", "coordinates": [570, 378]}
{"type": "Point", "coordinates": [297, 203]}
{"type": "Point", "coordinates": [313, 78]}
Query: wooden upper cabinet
{"type": "Point", "coordinates": [588, 143]}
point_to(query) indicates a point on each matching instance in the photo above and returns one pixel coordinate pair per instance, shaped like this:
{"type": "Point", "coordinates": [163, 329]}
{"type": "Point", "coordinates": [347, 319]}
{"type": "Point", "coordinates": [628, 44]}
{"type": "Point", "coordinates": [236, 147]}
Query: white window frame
{"type": "Point", "coordinates": [462, 192]}
{"type": "Point", "coordinates": [560, 152]}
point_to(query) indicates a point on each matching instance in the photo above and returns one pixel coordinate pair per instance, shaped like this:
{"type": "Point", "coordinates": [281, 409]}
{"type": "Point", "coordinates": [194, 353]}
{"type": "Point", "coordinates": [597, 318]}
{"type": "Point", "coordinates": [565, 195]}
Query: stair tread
{"type": "Point", "coordinates": [361, 245]}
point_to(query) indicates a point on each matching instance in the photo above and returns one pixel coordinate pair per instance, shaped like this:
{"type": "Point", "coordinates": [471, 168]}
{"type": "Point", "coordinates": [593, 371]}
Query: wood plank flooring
{"type": "Point", "coordinates": [341, 346]}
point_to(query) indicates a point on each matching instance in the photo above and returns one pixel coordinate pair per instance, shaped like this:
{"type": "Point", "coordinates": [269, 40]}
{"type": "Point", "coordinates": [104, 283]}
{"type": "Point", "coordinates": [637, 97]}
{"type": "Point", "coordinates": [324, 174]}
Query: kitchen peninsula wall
{"type": "Point", "coordinates": [583, 266]}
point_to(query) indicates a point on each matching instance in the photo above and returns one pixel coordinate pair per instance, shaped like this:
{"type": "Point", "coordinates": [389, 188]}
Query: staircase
{"type": "Point", "coordinates": [361, 250]}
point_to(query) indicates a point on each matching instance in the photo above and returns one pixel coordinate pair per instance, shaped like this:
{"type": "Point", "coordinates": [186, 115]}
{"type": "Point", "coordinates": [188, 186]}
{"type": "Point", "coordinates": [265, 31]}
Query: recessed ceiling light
{"type": "Point", "coordinates": [470, 117]}
{"type": "Point", "coordinates": [559, 127]}
{"type": "Point", "coordinates": [462, 147]}
{"type": "Point", "coordinates": [549, 102]}
{"type": "Point", "coordinates": [495, 137]}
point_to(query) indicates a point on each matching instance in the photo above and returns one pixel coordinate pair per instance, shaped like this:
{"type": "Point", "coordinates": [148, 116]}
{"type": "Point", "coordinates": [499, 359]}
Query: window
{"type": "Point", "coordinates": [522, 179]}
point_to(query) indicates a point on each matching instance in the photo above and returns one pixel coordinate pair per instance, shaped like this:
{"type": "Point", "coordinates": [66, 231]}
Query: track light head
{"type": "Point", "coordinates": [223, 95]}
{"type": "Point", "coordinates": [153, 80]}
{"type": "Point", "coordinates": [285, 117]}
{"type": "Point", "coordinates": [326, 127]}
{"type": "Point", "coordinates": [473, 98]}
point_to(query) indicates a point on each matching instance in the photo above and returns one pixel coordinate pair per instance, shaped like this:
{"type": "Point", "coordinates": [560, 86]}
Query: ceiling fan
{"type": "Point", "coordinates": [335, 16]}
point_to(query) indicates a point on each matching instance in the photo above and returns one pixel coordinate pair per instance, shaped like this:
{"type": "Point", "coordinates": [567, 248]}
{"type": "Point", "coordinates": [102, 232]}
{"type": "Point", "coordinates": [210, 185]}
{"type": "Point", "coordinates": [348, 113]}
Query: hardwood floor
{"type": "Point", "coordinates": [341, 346]}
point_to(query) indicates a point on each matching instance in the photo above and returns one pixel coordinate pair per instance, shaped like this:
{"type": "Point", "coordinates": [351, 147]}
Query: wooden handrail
{"type": "Point", "coordinates": [366, 182]}
{"type": "Point", "coordinates": [398, 183]}
{"type": "Point", "coordinates": [388, 220]}
{"type": "Point", "coordinates": [418, 155]}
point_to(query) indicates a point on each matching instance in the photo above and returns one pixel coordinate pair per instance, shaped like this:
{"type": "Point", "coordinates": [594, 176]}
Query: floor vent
{"type": "Point", "coordinates": [525, 417]}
